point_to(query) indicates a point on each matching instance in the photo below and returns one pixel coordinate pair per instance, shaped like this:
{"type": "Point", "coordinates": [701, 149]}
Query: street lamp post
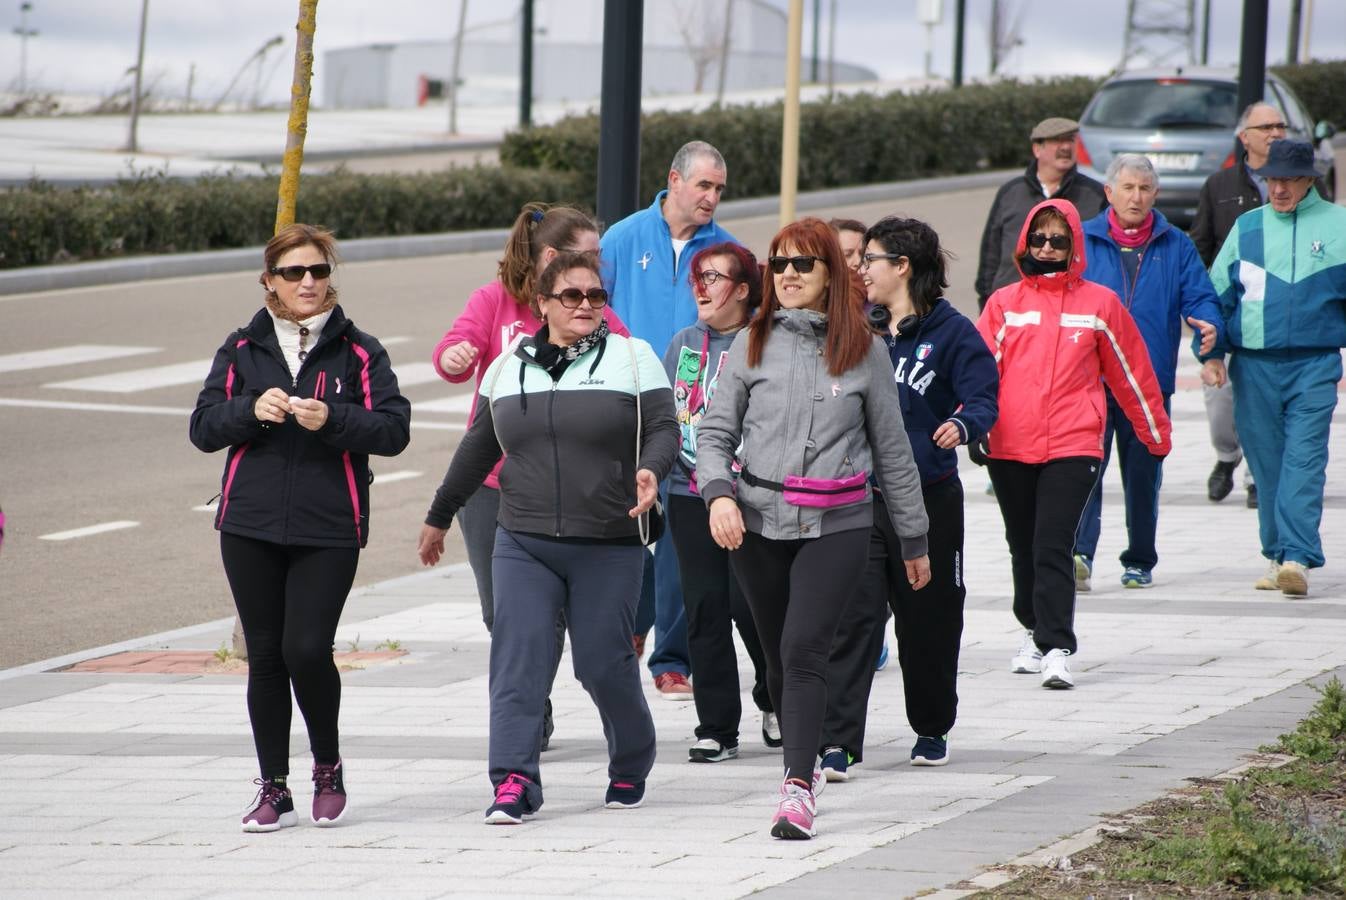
{"type": "Point", "coordinates": [131, 145]}
{"type": "Point", "coordinates": [24, 33]}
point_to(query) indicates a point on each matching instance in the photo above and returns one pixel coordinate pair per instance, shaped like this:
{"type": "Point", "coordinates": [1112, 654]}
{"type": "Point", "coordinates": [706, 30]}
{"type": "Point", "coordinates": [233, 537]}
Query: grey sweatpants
{"type": "Point", "coordinates": [596, 586]}
{"type": "Point", "coordinates": [1220, 416]}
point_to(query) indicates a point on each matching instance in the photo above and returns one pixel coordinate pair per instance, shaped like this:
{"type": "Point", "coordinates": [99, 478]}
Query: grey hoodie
{"type": "Point", "coordinates": [795, 418]}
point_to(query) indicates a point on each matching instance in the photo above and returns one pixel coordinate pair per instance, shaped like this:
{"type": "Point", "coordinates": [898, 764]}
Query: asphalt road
{"type": "Point", "coordinates": [126, 458]}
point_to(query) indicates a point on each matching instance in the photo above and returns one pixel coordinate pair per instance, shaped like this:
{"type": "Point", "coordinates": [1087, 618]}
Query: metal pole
{"type": "Point", "coordinates": [131, 144]}
{"type": "Point", "coordinates": [24, 33]}
{"type": "Point", "coordinates": [526, 65]}
{"type": "Point", "coordinates": [725, 44]}
{"type": "Point", "coordinates": [1253, 53]}
{"type": "Point", "coordinates": [789, 156]}
{"type": "Point", "coordinates": [831, 48]}
{"type": "Point", "coordinates": [1292, 36]}
{"type": "Point", "coordinates": [619, 113]}
{"type": "Point", "coordinates": [457, 62]}
{"type": "Point", "coordinates": [1308, 31]}
{"type": "Point", "coordinates": [817, 17]}
{"type": "Point", "coordinates": [1205, 34]}
{"type": "Point", "coordinates": [959, 21]}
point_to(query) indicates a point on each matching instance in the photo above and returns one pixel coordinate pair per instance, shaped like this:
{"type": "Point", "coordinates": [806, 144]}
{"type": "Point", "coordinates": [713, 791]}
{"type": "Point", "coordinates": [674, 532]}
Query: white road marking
{"type": "Point", "coordinates": [67, 356]}
{"type": "Point", "coordinates": [390, 477]}
{"type": "Point", "coordinates": [128, 382]}
{"type": "Point", "coordinates": [438, 426]}
{"type": "Point", "coordinates": [460, 404]}
{"type": "Point", "coordinates": [388, 342]}
{"type": "Point", "coordinates": [204, 507]}
{"type": "Point", "coordinates": [87, 530]}
{"type": "Point", "coordinates": [415, 373]}
{"type": "Point", "coordinates": [96, 407]}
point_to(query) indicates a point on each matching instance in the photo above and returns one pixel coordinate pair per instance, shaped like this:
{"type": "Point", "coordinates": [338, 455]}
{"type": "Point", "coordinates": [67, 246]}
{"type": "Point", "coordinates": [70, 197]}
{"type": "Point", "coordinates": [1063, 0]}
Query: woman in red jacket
{"type": "Point", "coordinates": [1053, 335]}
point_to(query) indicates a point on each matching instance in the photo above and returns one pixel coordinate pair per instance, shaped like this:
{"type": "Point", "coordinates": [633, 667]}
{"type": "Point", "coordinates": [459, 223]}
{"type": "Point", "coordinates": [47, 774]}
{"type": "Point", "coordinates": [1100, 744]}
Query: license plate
{"type": "Point", "coordinates": [1175, 162]}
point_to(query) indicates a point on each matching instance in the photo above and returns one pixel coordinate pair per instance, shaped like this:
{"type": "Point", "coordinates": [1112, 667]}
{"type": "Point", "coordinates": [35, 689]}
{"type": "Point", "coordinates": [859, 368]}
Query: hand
{"type": "Point", "coordinates": [1207, 333]}
{"type": "Point", "coordinates": [918, 572]}
{"type": "Point", "coordinates": [310, 414]}
{"type": "Point", "coordinates": [647, 491]}
{"type": "Point", "coordinates": [457, 358]}
{"type": "Point", "coordinates": [948, 436]}
{"type": "Point", "coordinates": [431, 545]}
{"type": "Point", "coordinates": [1213, 373]}
{"type": "Point", "coordinates": [726, 523]}
{"type": "Point", "coordinates": [273, 406]}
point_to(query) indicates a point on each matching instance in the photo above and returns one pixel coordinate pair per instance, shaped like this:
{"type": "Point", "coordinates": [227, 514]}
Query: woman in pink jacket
{"type": "Point", "coordinates": [498, 314]}
{"type": "Point", "coordinates": [1056, 339]}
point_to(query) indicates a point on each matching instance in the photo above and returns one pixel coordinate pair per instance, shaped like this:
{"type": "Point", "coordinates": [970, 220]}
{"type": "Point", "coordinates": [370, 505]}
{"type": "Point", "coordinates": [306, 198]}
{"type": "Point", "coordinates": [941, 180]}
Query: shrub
{"type": "Point", "coordinates": [1322, 87]}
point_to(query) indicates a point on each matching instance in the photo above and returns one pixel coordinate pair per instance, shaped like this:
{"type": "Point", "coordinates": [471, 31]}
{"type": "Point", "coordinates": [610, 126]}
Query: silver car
{"type": "Point", "coordinates": [1184, 119]}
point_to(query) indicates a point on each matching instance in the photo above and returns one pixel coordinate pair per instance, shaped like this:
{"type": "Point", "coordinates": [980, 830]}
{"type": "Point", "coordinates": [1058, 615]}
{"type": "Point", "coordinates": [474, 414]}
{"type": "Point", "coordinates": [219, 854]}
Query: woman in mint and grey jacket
{"type": "Point", "coordinates": [808, 404]}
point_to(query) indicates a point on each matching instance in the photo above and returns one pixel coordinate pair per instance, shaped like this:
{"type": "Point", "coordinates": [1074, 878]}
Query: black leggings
{"type": "Point", "coordinates": [289, 600]}
{"type": "Point", "coordinates": [797, 591]}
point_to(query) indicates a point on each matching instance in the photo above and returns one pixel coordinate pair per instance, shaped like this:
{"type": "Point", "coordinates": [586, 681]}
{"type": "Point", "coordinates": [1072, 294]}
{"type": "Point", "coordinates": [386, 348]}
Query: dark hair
{"type": "Point", "coordinates": [537, 227]}
{"type": "Point", "coordinates": [294, 236]}
{"type": "Point", "coordinates": [564, 262]}
{"type": "Point", "coordinates": [848, 336]}
{"type": "Point", "coordinates": [745, 268]}
{"type": "Point", "coordinates": [847, 225]}
{"type": "Point", "coordinates": [919, 243]}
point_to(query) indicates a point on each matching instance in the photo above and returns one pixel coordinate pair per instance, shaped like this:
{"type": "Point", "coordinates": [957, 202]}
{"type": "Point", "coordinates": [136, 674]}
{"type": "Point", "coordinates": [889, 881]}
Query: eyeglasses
{"type": "Point", "coordinates": [1037, 239]}
{"type": "Point", "coordinates": [296, 273]}
{"type": "Point", "coordinates": [802, 264]}
{"type": "Point", "coordinates": [709, 277]}
{"type": "Point", "coordinates": [868, 258]}
{"type": "Point", "coordinates": [571, 298]}
{"type": "Point", "coordinates": [1269, 127]}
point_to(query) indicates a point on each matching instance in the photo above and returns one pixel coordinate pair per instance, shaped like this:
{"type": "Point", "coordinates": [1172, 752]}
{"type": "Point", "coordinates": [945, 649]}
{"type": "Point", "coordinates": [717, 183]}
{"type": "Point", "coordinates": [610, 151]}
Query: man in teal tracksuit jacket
{"type": "Point", "coordinates": [647, 262]}
{"type": "Point", "coordinates": [1281, 280]}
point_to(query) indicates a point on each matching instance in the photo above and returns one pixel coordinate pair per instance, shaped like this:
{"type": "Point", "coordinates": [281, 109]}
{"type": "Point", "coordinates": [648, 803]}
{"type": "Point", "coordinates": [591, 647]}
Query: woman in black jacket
{"type": "Point", "coordinates": [300, 397]}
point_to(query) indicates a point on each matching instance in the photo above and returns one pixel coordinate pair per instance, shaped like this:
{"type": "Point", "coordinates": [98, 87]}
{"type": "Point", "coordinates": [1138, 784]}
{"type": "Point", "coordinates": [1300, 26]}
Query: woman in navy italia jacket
{"type": "Point", "coordinates": [300, 397]}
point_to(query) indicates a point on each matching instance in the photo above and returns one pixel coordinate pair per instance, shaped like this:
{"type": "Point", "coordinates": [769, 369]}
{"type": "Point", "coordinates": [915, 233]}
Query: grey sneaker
{"type": "Point", "coordinates": [1293, 579]}
{"type": "Point", "coordinates": [1028, 661]}
{"type": "Point", "coordinates": [1084, 570]}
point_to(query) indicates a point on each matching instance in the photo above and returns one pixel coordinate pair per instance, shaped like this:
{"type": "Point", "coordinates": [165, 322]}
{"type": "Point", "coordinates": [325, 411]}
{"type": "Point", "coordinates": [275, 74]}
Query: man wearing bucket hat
{"type": "Point", "coordinates": [1281, 280]}
{"type": "Point", "coordinates": [1051, 174]}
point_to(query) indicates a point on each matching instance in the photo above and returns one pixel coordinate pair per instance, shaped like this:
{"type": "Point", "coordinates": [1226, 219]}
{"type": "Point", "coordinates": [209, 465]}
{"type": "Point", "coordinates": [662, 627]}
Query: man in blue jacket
{"type": "Point", "coordinates": [1156, 271]}
{"type": "Point", "coordinates": [647, 258]}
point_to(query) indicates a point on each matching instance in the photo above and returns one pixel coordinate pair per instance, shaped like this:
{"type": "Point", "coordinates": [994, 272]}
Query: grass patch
{"type": "Point", "coordinates": [1274, 831]}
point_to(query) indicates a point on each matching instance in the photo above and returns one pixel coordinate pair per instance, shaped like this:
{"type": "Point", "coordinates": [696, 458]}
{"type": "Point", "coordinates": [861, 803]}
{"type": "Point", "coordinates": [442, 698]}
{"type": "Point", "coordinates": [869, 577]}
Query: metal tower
{"type": "Point", "coordinates": [1159, 32]}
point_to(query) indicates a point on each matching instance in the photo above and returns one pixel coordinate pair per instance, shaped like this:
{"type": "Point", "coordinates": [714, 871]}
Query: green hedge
{"type": "Point", "coordinates": [1322, 87]}
{"type": "Point", "coordinates": [152, 213]}
{"type": "Point", "coordinates": [849, 140]}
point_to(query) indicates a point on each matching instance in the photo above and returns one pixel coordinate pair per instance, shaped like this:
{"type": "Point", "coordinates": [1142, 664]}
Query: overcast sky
{"type": "Point", "coordinates": [86, 46]}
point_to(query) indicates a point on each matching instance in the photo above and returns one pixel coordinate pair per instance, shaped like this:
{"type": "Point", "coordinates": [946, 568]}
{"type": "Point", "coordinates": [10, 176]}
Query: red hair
{"type": "Point", "coordinates": [848, 336]}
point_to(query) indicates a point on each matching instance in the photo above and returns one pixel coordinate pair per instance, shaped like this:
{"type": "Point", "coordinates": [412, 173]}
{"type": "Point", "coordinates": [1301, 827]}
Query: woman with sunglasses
{"type": "Point", "coordinates": [496, 315]}
{"type": "Point", "coordinates": [947, 381]}
{"type": "Point", "coordinates": [1057, 339]}
{"type": "Point", "coordinates": [727, 284]}
{"type": "Point", "coordinates": [807, 404]}
{"type": "Point", "coordinates": [566, 409]}
{"type": "Point", "coordinates": [300, 397]}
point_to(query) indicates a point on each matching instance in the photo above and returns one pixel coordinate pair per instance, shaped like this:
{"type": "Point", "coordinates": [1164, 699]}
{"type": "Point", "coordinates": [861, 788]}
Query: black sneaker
{"type": "Point", "coordinates": [624, 795]}
{"type": "Point", "coordinates": [709, 750]}
{"type": "Point", "coordinates": [548, 726]}
{"type": "Point", "coordinates": [771, 735]}
{"type": "Point", "coordinates": [511, 804]}
{"type": "Point", "coordinates": [273, 808]}
{"type": "Point", "coordinates": [1221, 481]}
{"type": "Point", "coordinates": [930, 751]}
{"type": "Point", "coordinates": [1251, 501]}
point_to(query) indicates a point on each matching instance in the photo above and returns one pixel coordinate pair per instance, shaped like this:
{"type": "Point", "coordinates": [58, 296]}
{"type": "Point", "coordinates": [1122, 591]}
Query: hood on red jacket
{"type": "Point", "coordinates": [1075, 271]}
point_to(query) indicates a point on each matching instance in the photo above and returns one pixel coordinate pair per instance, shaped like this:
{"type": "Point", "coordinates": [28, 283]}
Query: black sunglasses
{"type": "Point", "coordinates": [296, 273]}
{"type": "Point", "coordinates": [571, 298]}
{"type": "Point", "coordinates": [1058, 241]}
{"type": "Point", "coordinates": [802, 264]}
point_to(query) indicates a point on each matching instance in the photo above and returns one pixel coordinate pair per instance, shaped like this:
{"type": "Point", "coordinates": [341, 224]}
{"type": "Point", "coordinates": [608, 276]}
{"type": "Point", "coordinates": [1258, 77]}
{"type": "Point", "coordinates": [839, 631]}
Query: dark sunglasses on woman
{"type": "Point", "coordinates": [296, 273]}
{"type": "Point", "coordinates": [1058, 241]}
{"type": "Point", "coordinates": [802, 264]}
{"type": "Point", "coordinates": [571, 298]}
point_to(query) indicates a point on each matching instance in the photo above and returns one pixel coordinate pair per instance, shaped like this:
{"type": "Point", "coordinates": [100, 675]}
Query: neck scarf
{"type": "Point", "coordinates": [1031, 265]}
{"type": "Point", "coordinates": [1130, 237]}
{"type": "Point", "coordinates": [555, 359]}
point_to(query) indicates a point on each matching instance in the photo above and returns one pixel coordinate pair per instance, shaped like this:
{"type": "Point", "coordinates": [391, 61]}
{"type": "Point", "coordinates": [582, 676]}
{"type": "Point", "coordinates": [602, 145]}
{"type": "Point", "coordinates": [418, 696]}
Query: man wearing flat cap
{"type": "Point", "coordinates": [1281, 281]}
{"type": "Point", "coordinates": [1052, 173]}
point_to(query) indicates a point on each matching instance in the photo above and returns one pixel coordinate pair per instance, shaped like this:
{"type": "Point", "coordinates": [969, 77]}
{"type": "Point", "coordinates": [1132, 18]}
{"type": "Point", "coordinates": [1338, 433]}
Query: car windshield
{"type": "Point", "coordinates": [1165, 103]}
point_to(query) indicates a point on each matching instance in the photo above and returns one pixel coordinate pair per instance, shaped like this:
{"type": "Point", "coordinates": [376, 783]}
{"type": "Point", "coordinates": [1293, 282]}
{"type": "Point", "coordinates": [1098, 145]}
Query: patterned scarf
{"type": "Point", "coordinates": [555, 359]}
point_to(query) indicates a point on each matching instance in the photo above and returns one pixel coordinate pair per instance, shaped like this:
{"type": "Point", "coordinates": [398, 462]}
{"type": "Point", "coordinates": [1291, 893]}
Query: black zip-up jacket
{"type": "Point", "coordinates": [1013, 202]}
{"type": "Point", "coordinates": [283, 483]}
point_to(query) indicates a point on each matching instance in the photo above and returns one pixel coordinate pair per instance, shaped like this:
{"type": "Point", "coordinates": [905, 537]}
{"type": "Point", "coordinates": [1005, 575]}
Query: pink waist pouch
{"type": "Point", "coordinates": [824, 492]}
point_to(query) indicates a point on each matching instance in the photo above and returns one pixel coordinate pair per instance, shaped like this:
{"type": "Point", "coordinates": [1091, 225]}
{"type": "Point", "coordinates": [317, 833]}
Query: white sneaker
{"type": "Point", "coordinates": [1084, 571]}
{"type": "Point", "coordinates": [1056, 671]}
{"type": "Point", "coordinates": [1293, 579]}
{"type": "Point", "coordinates": [1028, 661]}
{"type": "Point", "coordinates": [1269, 581]}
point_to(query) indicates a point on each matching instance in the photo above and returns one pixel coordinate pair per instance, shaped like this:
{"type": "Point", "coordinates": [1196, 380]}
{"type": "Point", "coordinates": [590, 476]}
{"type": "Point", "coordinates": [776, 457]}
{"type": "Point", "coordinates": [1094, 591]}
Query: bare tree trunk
{"type": "Point", "coordinates": [298, 125]}
{"type": "Point", "coordinates": [452, 86]}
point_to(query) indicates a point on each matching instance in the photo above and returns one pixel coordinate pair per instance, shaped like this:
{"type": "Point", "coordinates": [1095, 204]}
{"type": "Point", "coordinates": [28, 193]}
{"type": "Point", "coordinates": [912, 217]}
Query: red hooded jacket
{"type": "Point", "coordinates": [1053, 336]}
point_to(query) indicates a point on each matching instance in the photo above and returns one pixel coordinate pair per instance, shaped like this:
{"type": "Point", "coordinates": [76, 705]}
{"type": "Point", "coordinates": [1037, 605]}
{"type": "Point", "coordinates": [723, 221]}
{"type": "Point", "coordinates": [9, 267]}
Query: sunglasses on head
{"type": "Point", "coordinates": [571, 298]}
{"type": "Point", "coordinates": [296, 273]}
{"type": "Point", "coordinates": [1037, 239]}
{"type": "Point", "coordinates": [802, 264]}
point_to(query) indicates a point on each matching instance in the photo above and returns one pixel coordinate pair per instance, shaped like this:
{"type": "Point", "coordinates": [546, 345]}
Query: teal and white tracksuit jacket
{"type": "Point", "coordinates": [1281, 281]}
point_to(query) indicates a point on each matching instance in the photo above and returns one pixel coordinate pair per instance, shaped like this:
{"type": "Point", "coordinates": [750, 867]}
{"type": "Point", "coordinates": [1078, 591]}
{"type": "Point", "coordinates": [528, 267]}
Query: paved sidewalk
{"type": "Point", "coordinates": [132, 784]}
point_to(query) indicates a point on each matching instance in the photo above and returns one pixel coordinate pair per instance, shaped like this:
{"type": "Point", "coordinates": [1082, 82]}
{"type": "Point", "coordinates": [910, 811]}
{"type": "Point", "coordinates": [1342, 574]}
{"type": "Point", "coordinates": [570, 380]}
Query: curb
{"type": "Point", "coordinates": [244, 259]}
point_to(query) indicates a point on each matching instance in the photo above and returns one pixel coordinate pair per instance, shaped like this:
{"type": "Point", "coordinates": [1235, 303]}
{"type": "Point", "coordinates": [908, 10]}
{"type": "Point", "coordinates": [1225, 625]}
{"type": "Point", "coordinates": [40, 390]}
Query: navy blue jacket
{"type": "Point", "coordinates": [1171, 284]}
{"type": "Point", "coordinates": [944, 373]}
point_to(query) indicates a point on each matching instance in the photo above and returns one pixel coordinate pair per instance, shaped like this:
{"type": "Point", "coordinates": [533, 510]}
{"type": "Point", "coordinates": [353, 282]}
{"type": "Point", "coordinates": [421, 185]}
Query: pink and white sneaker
{"type": "Point", "coordinates": [794, 813]}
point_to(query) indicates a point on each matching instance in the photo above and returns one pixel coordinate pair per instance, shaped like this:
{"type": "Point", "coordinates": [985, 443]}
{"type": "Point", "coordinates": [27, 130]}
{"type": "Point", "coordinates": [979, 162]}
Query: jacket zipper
{"type": "Point", "coordinates": [555, 451]}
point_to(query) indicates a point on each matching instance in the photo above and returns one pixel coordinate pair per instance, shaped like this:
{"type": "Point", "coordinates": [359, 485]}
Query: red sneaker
{"type": "Point", "coordinates": [673, 686]}
{"type": "Point", "coordinates": [638, 641]}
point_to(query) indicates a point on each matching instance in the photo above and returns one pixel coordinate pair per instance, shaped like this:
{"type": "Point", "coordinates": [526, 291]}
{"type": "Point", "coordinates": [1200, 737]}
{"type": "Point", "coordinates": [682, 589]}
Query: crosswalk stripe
{"type": "Point", "coordinates": [390, 477]}
{"type": "Point", "coordinates": [96, 407]}
{"type": "Point", "coordinates": [459, 403]}
{"type": "Point", "coordinates": [128, 382]}
{"type": "Point", "coordinates": [415, 373]}
{"type": "Point", "coordinates": [87, 530]}
{"type": "Point", "coordinates": [67, 356]}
